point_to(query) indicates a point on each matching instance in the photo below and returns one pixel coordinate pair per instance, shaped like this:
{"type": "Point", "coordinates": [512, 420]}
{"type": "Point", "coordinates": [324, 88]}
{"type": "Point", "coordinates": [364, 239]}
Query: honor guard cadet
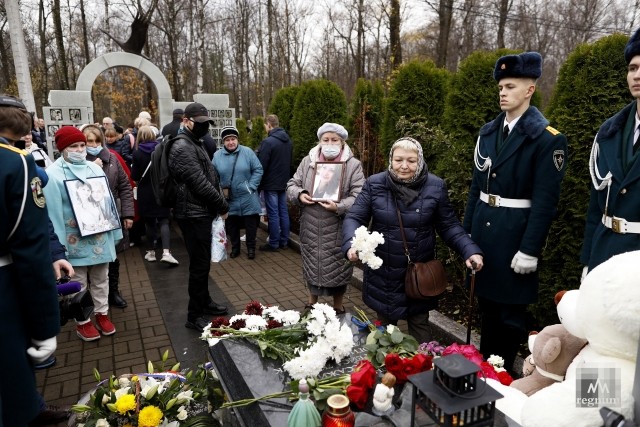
{"type": "Point", "coordinates": [519, 164]}
{"type": "Point", "coordinates": [613, 216]}
{"type": "Point", "coordinates": [29, 314]}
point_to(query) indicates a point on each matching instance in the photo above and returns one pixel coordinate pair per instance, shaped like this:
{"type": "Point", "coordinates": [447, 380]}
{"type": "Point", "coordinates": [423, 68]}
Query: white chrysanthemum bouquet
{"type": "Point", "coordinates": [305, 344]}
{"type": "Point", "coordinates": [365, 244]}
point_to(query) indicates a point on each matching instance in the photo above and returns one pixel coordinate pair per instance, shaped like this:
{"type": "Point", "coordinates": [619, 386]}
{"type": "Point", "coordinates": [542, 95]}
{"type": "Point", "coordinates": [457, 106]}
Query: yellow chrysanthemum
{"type": "Point", "coordinates": [126, 403]}
{"type": "Point", "coordinates": [150, 416]}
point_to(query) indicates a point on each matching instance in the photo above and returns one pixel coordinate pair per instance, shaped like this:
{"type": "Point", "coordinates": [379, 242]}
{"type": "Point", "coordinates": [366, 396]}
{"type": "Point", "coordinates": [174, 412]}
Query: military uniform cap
{"type": "Point", "coordinates": [10, 101]}
{"type": "Point", "coordinates": [527, 64]}
{"type": "Point", "coordinates": [633, 47]}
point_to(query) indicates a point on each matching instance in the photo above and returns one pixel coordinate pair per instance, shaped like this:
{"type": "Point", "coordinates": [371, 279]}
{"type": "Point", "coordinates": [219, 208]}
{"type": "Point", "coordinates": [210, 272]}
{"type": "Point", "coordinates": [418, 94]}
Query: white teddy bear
{"type": "Point", "coordinates": [606, 312]}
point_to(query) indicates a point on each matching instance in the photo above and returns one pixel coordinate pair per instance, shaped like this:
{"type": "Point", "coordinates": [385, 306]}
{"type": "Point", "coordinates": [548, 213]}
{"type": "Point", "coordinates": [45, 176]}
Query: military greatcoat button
{"type": "Point", "coordinates": [417, 210]}
{"type": "Point", "coordinates": [493, 175]}
{"type": "Point", "coordinates": [623, 191]}
{"type": "Point", "coordinates": [488, 224]}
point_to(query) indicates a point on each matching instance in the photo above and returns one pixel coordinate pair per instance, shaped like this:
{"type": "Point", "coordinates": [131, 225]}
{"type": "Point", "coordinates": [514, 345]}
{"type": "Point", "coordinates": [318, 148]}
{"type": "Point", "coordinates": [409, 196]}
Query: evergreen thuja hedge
{"type": "Point", "coordinates": [365, 122]}
{"type": "Point", "coordinates": [243, 134]}
{"type": "Point", "coordinates": [417, 93]}
{"type": "Point", "coordinates": [317, 102]}
{"type": "Point", "coordinates": [257, 133]}
{"type": "Point", "coordinates": [282, 106]}
{"type": "Point", "coordinates": [591, 87]}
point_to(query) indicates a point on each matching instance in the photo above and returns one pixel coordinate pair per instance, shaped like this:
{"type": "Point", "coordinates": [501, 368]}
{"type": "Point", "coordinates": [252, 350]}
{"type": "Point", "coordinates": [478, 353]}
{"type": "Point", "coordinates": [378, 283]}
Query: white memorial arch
{"type": "Point", "coordinates": [75, 107]}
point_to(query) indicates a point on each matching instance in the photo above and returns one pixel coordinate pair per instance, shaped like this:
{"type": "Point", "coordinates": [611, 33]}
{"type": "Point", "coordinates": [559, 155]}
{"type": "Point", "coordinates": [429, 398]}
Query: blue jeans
{"type": "Point", "coordinates": [278, 214]}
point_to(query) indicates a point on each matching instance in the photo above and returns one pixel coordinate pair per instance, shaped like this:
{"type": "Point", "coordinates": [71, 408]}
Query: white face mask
{"type": "Point", "coordinates": [330, 151]}
{"type": "Point", "coordinates": [77, 157]}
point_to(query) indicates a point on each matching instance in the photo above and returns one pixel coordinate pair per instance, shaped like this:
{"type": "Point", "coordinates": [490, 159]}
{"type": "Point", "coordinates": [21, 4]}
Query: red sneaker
{"type": "Point", "coordinates": [104, 324]}
{"type": "Point", "coordinates": [87, 332]}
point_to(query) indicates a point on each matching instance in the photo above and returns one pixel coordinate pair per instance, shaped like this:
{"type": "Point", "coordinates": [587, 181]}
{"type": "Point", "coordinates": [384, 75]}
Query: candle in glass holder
{"type": "Point", "coordinates": [338, 413]}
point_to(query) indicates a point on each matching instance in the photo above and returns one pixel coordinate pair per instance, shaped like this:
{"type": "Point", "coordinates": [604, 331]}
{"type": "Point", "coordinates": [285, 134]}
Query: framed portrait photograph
{"type": "Point", "coordinates": [327, 181]}
{"type": "Point", "coordinates": [228, 114]}
{"type": "Point", "coordinates": [213, 114]}
{"type": "Point", "coordinates": [93, 205]}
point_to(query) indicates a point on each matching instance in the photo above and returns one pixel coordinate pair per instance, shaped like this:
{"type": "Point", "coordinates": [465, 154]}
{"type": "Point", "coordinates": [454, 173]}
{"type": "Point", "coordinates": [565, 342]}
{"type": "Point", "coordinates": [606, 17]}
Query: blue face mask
{"type": "Point", "coordinates": [77, 157]}
{"type": "Point", "coordinates": [94, 151]}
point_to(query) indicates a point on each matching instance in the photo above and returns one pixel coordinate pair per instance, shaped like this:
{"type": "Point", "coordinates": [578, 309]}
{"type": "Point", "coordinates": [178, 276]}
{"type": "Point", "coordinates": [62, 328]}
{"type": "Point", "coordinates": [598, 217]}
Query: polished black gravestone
{"type": "Point", "coordinates": [244, 374]}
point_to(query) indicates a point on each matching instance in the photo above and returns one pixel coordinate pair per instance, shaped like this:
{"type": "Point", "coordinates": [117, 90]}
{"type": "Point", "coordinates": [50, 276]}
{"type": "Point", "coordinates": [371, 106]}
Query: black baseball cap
{"type": "Point", "coordinates": [197, 112]}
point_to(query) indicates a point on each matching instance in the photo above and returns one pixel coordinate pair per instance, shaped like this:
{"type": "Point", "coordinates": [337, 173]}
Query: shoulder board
{"type": "Point", "coordinates": [14, 149]}
{"type": "Point", "coordinates": [553, 131]}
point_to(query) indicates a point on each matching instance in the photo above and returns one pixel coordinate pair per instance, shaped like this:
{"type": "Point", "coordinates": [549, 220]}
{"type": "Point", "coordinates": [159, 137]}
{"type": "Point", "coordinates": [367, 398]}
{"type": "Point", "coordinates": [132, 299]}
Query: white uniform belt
{"type": "Point", "coordinates": [503, 202]}
{"type": "Point", "coordinates": [5, 260]}
{"type": "Point", "coordinates": [620, 225]}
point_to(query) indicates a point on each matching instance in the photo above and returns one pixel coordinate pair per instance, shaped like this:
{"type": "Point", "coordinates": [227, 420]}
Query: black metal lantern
{"type": "Point", "coordinates": [451, 394]}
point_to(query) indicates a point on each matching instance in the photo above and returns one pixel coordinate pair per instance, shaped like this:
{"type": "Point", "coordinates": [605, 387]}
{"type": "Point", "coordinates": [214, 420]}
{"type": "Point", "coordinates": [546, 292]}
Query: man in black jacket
{"type": "Point", "coordinates": [276, 152]}
{"type": "Point", "coordinates": [173, 127]}
{"type": "Point", "coordinates": [199, 201]}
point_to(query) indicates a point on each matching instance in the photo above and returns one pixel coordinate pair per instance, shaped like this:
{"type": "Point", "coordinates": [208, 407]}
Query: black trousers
{"type": "Point", "coordinates": [235, 223]}
{"type": "Point", "coordinates": [503, 330]}
{"type": "Point", "coordinates": [197, 239]}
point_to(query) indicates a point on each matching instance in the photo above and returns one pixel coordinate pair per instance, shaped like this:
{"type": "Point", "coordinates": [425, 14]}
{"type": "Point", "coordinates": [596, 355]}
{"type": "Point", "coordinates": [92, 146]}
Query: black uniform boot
{"type": "Point", "coordinates": [115, 299]}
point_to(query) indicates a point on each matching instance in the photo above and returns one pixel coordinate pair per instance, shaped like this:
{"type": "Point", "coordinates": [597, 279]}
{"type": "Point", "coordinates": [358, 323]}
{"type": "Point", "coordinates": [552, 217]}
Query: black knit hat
{"type": "Point", "coordinates": [228, 131]}
{"type": "Point", "coordinates": [527, 64]}
{"type": "Point", "coordinates": [633, 47]}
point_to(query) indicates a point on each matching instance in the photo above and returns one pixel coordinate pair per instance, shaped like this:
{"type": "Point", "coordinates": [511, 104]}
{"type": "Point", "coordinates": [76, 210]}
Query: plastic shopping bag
{"type": "Point", "coordinates": [218, 241]}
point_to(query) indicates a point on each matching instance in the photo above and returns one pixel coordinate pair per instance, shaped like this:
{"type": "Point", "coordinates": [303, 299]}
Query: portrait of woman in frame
{"type": "Point", "coordinates": [93, 205]}
{"type": "Point", "coordinates": [327, 180]}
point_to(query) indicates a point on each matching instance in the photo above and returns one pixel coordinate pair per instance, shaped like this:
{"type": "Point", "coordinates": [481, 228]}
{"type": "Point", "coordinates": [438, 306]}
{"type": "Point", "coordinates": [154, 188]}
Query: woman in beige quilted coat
{"type": "Point", "coordinates": [323, 264]}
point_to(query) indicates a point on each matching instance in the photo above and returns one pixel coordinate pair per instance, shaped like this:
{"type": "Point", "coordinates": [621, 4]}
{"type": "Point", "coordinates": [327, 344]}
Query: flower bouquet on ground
{"type": "Point", "coordinates": [492, 368]}
{"type": "Point", "coordinates": [167, 399]}
{"type": "Point", "coordinates": [304, 344]}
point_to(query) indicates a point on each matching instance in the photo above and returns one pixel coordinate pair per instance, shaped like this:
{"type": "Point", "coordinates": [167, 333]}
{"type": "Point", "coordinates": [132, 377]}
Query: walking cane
{"type": "Point", "coordinates": [472, 293]}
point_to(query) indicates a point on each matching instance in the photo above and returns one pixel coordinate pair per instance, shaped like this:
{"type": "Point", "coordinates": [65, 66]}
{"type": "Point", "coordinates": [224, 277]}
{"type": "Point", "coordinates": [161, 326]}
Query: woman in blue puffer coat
{"type": "Point", "coordinates": [424, 206]}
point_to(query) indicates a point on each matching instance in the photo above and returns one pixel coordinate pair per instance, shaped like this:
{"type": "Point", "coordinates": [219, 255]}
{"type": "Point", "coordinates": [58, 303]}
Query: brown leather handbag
{"type": "Point", "coordinates": [423, 280]}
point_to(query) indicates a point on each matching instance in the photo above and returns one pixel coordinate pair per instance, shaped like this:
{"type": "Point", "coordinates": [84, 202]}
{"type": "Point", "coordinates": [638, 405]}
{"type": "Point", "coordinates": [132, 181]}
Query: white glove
{"type": "Point", "coordinates": [585, 270]}
{"type": "Point", "coordinates": [41, 350]}
{"type": "Point", "coordinates": [523, 263]}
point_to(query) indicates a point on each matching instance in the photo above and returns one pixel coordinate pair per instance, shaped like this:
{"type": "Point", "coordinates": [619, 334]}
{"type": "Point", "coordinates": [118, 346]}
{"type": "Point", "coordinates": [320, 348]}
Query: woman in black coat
{"type": "Point", "coordinates": [424, 206]}
{"type": "Point", "coordinates": [155, 216]}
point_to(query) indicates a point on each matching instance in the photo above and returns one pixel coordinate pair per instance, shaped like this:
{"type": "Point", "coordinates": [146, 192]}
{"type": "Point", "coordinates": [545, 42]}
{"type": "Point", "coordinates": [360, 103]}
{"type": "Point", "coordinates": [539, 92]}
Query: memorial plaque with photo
{"type": "Point", "coordinates": [213, 113]}
{"type": "Point", "coordinates": [55, 114]}
{"type": "Point", "coordinates": [74, 114]}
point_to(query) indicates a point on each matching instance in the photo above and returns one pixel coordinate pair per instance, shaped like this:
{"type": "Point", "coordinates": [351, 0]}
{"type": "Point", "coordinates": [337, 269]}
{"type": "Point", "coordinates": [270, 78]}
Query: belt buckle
{"type": "Point", "coordinates": [492, 200]}
{"type": "Point", "coordinates": [617, 225]}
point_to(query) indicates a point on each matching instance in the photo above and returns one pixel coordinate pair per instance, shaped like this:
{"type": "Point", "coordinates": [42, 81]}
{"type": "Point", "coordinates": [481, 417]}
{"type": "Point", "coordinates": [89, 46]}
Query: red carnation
{"type": "Point", "coordinates": [254, 307]}
{"type": "Point", "coordinates": [364, 374]}
{"type": "Point", "coordinates": [358, 395]}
